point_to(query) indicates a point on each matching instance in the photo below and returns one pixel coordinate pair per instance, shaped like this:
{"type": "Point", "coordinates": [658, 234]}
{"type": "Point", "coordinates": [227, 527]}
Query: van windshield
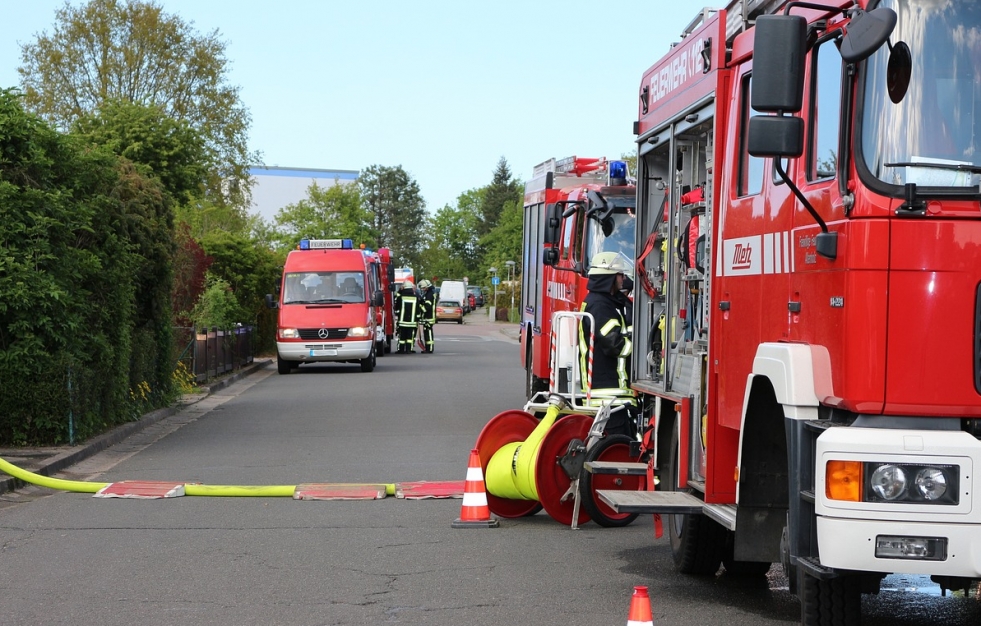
{"type": "Point", "coordinates": [323, 287]}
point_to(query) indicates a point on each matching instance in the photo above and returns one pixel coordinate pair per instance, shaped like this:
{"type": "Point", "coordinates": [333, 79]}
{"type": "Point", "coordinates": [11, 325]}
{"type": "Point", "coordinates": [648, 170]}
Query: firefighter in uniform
{"type": "Point", "coordinates": [427, 314]}
{"type": "Point", "coordinates": [612, 343]}
{"type": "Point", "coordinates": [407, 307]}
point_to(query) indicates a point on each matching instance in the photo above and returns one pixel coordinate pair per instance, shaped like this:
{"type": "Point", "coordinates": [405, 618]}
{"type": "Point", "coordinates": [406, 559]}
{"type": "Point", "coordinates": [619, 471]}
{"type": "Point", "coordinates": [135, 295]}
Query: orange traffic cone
{"type": "Point", "coordinates": [640, 608]}
{"type": "Point", "coordinates": [475, 513]}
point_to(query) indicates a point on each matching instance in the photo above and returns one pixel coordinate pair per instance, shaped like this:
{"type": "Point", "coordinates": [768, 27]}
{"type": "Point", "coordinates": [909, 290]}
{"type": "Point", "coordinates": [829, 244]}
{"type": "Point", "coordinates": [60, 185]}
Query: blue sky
{"type": "Point", "coordinates": [442, 88]}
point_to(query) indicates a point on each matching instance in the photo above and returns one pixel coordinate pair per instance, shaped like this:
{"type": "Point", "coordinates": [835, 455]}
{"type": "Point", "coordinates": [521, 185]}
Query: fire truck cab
{"type": "Point", "coordinates": [574, 208]}
{"type": "Point", "coordinates": [334, 305]}
{"type": "Point", "coordinates": [806, 327]}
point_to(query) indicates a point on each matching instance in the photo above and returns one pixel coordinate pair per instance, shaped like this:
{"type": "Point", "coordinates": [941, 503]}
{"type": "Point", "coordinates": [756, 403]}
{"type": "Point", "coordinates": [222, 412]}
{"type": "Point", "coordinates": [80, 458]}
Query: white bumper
{"type": "Point", "coordinates": [311, 352]}
{"type": "Point", "coordinates": [847, 531]}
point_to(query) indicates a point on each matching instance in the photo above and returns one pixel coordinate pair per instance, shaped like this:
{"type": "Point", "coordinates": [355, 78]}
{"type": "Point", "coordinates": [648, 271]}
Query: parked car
{"type": "Point", "coordinates": [478, 295]}
{"type": "Point", "coordinates": [449, 311]}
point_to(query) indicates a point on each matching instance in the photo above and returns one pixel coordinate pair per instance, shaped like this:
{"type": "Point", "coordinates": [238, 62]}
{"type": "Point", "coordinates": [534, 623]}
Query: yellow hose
{"type": "Point", "coordinates": [190, 489]}
{"type": "Point", "coordinates": [79, 486]}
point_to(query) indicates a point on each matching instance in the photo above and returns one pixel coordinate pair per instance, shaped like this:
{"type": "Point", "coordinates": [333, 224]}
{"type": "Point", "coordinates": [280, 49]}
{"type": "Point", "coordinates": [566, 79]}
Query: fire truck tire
{"type": "Point", "coordinates": [368, 365]}
{"type": "Point", "coordinates": [697, 543]}
{"type": "Point", "coordinates": [533, 384]}
{"type": "Point", "coordinates": [282, 366]}
{"type": "Point", "coordinates": [615, 448]}
{"type": "Point", "coordinates": [388, 345]}
{"type": "Point", "coordinates": [380, 349]}
{"type": "Point", "coordinates": [832, 602]}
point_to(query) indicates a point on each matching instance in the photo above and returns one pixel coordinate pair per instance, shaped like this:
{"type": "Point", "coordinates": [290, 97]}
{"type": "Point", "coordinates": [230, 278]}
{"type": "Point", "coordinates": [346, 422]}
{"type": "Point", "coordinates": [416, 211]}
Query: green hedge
{"type": "Point", "coordinates": [85, 247]}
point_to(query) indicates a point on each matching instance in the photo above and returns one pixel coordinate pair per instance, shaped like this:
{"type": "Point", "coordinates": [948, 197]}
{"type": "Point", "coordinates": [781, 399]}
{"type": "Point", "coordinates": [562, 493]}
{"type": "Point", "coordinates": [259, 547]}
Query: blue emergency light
{"type": "Point", "coordinates": [618, 169]}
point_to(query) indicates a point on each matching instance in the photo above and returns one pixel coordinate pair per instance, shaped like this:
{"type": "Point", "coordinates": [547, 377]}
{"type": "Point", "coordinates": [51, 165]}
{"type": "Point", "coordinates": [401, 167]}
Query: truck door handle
{"type": "Point", "coordinates": [724, 305]}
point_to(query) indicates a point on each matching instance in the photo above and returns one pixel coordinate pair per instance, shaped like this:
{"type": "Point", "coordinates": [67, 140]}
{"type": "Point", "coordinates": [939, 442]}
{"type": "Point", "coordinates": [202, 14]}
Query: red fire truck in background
{"type": "Point", "coordinates": [811, 368]}
{"type": "Point", "coordinates": [574, 208]}
{"type": "Point", "coordinates": [335, 304]}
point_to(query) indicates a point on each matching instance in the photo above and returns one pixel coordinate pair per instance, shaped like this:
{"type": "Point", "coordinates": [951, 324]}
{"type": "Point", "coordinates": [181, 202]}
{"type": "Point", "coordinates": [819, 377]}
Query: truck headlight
{"type": "Point", "coordinates": [289, 333]}
{"type": "Point", "coordinates": [358, 331]}
{"type": "Point", "coordinates": [888, 482]}
{"type": "Point", "coordinates": [912, 483]}
{"type": "Point", "coordinates": [901, 483]}
{"type": "Point", "coordinates": [931, 483]}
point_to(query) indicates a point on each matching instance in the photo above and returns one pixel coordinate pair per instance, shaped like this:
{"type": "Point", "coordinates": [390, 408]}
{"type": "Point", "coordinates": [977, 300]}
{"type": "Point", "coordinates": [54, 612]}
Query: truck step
{"type": "Point", "coordinates": [612, 467]}
{"type": "Point", "coordinates": [651, 501]}
{"type": "Point", "coordinates": [671, 502]}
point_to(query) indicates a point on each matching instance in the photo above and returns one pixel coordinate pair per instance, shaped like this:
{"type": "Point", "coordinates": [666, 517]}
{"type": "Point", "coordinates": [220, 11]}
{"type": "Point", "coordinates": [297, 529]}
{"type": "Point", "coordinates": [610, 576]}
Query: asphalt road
{"type": "Point", "coordinates": [69, 558]}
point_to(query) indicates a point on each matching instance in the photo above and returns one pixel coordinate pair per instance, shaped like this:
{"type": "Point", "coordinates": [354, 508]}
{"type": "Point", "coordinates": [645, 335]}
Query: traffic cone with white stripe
{"type": "Point", "coordinates": [475, 513]}
{"type": "Point", "coordinates": [640, 608]}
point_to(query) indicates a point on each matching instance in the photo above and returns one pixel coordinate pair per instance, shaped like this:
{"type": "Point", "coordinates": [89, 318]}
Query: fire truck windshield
{"type": "Point", "coordinates": [932, 136]}
{"type": "Point", "coordinates": [617, 235]}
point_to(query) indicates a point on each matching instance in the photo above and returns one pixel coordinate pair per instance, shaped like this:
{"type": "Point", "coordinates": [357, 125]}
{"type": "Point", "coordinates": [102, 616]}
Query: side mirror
{"type": "Point", "coordinates": [776, 136]}
{"type": "Point", "coordinates": [378, 298]}
{"type": "Point", "coordinates": [553, 223]}
{"type": "Point", "coordinates": [550, 256]}
{"type": "Point", "coordinates": [779, 48]}
{"type": "Point", "coordinates": [270, 302]}
{"type": "Point", "coordinates": [866, 32]}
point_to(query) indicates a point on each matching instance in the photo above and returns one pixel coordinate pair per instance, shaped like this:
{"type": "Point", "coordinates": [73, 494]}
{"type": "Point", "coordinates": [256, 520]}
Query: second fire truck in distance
{"type": "Point", "coordinates": [574, 208]}
{"type": "Point", "coordinates": [811, 366]}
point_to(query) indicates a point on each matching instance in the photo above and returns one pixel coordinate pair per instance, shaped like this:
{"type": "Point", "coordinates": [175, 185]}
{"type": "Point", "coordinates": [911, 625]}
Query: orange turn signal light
{"type": "Point", "coordinates": [843, 480]}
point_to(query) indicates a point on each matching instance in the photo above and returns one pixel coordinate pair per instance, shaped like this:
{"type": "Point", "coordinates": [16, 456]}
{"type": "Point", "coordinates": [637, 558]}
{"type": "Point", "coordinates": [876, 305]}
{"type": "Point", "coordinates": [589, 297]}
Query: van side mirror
{"type": "Point", "coordinates": [378, 298]}
{"type": "Point", "coordinates": [270, 302]}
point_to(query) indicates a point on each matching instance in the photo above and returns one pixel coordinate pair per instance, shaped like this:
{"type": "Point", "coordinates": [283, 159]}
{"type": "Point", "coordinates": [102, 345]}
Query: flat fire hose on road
{"type": "Point", "coordinates": [412, 490]}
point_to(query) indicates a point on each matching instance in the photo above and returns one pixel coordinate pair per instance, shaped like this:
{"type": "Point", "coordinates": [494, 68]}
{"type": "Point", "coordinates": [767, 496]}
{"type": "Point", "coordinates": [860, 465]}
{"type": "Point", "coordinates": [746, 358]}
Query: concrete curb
{"type": "Point", "coordinates": [67, 458]}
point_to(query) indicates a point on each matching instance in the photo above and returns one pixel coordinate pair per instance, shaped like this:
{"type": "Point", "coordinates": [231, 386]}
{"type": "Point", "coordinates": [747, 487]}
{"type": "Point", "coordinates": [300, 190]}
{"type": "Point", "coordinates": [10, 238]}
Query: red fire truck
{"type": "Point", "coordinates": [811, 367]}
{"type": "Point", "coordinates": [574, 208]}
{"type": "Point", "coordinates": [335, 304]}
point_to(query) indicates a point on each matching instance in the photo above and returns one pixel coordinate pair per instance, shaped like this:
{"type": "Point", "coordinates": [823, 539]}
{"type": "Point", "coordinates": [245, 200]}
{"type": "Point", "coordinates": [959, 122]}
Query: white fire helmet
{"type": "Point", "coordinates": [610, 263]}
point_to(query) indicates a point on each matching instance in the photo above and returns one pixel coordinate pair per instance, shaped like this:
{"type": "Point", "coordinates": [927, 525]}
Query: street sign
{"type": "Point", "coordinates": [495, 280]}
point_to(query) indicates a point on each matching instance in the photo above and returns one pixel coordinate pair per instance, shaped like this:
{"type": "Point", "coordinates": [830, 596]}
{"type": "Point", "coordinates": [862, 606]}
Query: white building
{"type": "Point", "coordinates": [276, 187]}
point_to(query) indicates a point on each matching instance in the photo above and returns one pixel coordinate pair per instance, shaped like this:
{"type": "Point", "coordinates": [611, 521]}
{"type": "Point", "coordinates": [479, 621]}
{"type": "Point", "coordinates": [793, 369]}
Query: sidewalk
{"type": "Point", "coordinates": [48, 461]}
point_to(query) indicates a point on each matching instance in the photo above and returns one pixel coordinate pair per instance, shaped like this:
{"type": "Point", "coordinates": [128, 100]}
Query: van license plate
{"type": "Point", "coordinates": [323, 353]}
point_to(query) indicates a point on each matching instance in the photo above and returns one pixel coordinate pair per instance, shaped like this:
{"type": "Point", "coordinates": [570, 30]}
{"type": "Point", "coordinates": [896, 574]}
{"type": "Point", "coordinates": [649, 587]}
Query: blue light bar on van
{"type": "Point", "coordinates": [618, 169]}
{"type": "Point", "coordinates": [326, 244]}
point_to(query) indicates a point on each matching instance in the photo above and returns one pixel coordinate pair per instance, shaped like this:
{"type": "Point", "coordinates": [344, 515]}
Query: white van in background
{"type": "Point", "coordinates": [456, 291]}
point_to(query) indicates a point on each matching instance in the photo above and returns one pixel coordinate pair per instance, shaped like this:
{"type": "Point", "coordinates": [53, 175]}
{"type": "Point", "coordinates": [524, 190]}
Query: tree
{"type": "Point", "coordinates": [451, 248]}
{"type": "Point", "coordinates": [398, 211]}
{"type": "Point", "coordinates": [503, 189]}
{"type": "Point", "coordinates": [333, 212]}
{"type": "Point", "coordinates": [162, 147]}
{"type": "Point", "coordinates": [131, 51]}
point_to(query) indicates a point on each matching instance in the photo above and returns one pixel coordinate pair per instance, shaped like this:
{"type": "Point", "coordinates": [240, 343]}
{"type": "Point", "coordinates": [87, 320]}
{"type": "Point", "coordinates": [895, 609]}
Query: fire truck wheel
{"type": "Point", "coordinates": [832, 602]}
{"type": "Point", "coordinates": [697, 543]}
{"type": "Point", "coordinates": [533, 384]}
{"type": "Point", "coordinates": [368, 365]}
{"type": "Point", "coordinates": [613, 448]}
{"type": "Point", "coordinates": [380, 349]}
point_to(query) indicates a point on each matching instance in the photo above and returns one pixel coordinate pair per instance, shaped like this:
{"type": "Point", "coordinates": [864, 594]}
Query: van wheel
{"type": "Point", "coordinates": [283, 367]}
{"type": "Point", "coordinates": [380, 348]}
{"type": "Point", "coordinates": [368, 364]}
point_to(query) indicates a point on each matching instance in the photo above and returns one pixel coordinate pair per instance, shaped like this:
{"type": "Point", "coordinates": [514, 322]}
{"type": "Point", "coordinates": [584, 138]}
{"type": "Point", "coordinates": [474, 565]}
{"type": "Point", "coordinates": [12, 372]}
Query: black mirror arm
{"type": "Point", "coordinates": [827, 244]}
